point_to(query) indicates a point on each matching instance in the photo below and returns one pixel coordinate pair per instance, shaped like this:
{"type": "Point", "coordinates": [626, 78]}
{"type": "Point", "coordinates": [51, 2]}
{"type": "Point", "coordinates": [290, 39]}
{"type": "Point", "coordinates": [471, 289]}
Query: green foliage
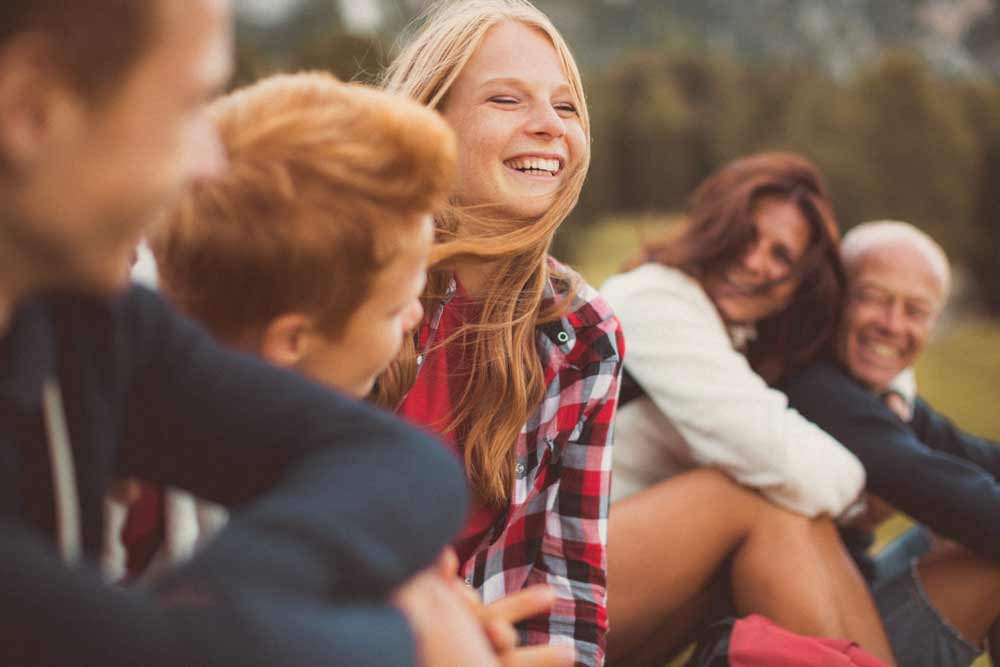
{"type": "Point", "coordinates": [894, 141]}
{"type": "Point", "coordinates": [894, 137]}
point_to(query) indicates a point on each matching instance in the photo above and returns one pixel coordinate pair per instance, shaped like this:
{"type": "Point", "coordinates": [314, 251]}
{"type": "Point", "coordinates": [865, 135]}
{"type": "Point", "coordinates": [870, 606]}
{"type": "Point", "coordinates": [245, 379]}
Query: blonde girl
{"type": "Point", "coordinates": [517, 362]}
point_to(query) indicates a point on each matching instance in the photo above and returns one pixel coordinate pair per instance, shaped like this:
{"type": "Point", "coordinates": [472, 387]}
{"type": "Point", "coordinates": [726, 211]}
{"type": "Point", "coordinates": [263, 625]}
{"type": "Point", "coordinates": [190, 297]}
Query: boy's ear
{"type": "Point", "coordinates": [37, 104]}
{"type": "Point", "coordinates": [286, 339]}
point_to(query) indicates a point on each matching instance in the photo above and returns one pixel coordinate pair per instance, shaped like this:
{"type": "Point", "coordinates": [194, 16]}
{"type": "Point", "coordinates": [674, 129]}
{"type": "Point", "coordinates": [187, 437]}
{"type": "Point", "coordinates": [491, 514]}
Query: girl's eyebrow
{"type": "Point", "coordinates": [503, 80]}
{"type": "Point", "coordinates": [560, 89]}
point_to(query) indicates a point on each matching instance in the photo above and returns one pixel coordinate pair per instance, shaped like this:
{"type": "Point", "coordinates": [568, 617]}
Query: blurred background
{"type": "Point", "coordinates": [897, 101]}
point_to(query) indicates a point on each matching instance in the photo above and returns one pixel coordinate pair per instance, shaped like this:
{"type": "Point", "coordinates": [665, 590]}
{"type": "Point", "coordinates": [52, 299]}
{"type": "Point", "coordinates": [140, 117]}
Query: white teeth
{"type": "Point", "coordinates": [534, 164]}
{"type": "Point", "coordinates": [883, 350]}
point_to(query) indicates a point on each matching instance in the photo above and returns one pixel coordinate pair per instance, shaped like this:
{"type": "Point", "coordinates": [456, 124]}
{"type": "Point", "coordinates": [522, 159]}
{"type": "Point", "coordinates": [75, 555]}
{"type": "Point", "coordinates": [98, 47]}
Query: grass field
{"type": "Point", "coordinates": [959, 372]}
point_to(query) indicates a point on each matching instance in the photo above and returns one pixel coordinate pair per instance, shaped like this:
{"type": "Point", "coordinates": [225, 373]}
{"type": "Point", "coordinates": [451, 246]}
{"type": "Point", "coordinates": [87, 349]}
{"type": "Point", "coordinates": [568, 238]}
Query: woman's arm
{"type": "Point", "coordinates": [680, 354]}
{"type": "Point", "coordinates": [573, 555]}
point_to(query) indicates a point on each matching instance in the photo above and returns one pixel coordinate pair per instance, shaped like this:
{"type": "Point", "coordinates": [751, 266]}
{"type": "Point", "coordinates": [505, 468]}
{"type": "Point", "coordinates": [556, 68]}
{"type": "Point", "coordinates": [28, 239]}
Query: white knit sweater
{"type": "Point", "coordinates": [705, 406]}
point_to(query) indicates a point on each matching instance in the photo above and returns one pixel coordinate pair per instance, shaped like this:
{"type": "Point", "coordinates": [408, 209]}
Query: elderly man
{"type": "Point", "coordinates": [940, 610]}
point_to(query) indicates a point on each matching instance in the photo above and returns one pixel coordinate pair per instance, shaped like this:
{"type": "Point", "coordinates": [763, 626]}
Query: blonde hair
{"type": "Point", "coordinates": [323, 177]}
{"type": "Point", "coordinates": [506, 381]}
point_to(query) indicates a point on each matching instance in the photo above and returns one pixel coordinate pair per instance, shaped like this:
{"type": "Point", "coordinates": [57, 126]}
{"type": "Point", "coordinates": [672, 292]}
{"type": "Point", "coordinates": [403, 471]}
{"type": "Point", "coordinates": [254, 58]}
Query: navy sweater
{"type": "Point", "coordinates": [940, 476]}
{"type": "Point", "coordinates": [335, 503]}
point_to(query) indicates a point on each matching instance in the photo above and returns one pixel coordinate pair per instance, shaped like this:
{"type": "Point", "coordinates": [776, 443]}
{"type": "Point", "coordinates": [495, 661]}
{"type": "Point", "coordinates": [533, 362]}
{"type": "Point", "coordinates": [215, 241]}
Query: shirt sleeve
{"type": "Point", "coordinates": [573, 555]}
{"type": "Point", "coordinates": [939, 488]}
{"type": "Point", "coordinates": [681, 356]}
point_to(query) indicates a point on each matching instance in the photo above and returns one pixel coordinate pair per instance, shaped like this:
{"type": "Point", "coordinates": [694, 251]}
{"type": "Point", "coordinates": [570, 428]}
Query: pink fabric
{"type": "Point", "coordinates": [757, 642]}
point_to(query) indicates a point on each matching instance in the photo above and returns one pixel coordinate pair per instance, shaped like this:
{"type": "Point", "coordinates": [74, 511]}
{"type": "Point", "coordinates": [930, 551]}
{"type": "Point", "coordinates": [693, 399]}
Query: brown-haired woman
{"type": "Point", "coordinates": [749, 289]}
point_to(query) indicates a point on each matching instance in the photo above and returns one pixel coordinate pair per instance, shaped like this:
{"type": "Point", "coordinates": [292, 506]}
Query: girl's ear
{"type": "Point", "coordinates": [286, 339]}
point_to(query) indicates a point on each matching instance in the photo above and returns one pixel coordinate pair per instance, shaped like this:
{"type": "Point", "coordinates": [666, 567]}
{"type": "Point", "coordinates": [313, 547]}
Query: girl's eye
{"type": "Point", "coordinates": [565, 107]}
{"type": "Point", "coordinates": [503, 99]}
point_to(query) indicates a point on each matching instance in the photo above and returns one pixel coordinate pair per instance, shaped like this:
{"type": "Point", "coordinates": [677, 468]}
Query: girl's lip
{"type": "Point", "coordinates": [534, 177]}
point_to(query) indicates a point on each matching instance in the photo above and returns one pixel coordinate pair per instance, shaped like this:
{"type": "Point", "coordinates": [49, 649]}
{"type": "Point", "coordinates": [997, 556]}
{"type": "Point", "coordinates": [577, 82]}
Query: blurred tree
{"type": "Point", "coordinates": [914, 153]}
{"type": "Point", "coordinates": [982, 253]}
{"type": "Point", "coordinates": [350, 57]}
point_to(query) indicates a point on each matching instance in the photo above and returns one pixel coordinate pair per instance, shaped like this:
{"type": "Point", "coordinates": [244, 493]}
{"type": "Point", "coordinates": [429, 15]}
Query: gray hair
{"type": "Point", "coordinates": [867, 236]}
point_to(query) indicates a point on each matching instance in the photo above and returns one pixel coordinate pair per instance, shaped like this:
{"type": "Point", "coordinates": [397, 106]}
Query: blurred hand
{"type": "Point", "coordinates": [875, 514]}
{"type": "Point", "coordinates": [447, 634]}
{"type": "Point", "coordinates": [125, 490]}
{"type": "Point", "coordinates": [499, 618]}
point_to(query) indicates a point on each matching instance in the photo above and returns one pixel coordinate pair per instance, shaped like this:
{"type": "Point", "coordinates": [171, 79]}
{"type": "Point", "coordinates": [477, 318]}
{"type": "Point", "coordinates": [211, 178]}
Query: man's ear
{"type": "Point", "coordinates": [37, 103]}
{"type": "Point", "coordinates": [286, 339]}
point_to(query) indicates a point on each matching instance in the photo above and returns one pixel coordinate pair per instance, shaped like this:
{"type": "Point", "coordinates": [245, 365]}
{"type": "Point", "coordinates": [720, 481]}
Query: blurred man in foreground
{"type": "Point", "coordinates": [102, 125]}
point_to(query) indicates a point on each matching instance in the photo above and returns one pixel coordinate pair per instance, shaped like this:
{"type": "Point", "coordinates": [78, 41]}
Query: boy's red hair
{"type": "Point", "coordinates": [322, 177]}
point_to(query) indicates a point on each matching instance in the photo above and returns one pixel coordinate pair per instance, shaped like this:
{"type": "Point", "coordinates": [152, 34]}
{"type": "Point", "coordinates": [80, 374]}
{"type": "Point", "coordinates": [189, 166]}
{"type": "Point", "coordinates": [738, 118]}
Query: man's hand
{"type": "Point", "coordinates": [875, 514]}
{"type": "Point", "coordinates": [499, 618]}
{"type": "Point", "coordinates": [447, 633]}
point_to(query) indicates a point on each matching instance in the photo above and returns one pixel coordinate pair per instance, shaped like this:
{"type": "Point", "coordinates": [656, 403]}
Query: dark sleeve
{"type": "Point", "coordinates": [358, 500]}
{"type": "Point", "coordinates": [937, 432]}
{"type": "Point", "coordinates": [952, 496]}
{"type": "Point", "coordinates": [52, 617]}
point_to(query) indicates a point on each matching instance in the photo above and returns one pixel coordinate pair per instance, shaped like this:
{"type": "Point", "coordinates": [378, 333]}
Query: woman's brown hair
{"type": "Point", "coordinates": [720, 230]}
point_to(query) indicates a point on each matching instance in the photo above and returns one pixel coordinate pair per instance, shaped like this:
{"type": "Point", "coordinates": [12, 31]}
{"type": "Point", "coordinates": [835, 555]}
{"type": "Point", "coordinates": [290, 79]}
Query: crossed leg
{"type": "Point", "coordinates": [965, 589]}
{"type": "Point", "coordinates": [667, 543]}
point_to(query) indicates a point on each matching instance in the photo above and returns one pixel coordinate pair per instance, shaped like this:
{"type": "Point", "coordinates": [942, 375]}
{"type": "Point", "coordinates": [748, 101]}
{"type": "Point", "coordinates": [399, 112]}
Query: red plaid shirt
{"type": "Point", "coordinates": [555, 529]}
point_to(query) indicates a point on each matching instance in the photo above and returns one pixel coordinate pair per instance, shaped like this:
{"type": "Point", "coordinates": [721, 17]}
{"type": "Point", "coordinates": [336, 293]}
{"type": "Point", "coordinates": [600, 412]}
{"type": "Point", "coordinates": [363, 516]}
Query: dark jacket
{"type": "Point", "coordinates": [323, 487]}
{"type": "Point", "coordinates": [940, 476]}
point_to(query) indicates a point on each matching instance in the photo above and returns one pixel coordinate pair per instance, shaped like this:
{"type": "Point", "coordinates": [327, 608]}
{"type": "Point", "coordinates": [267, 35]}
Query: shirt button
{"type": "Point", "coordinates": [519, 468]}
{"type": "Point", "coordinates": [562, 337]}
{"type": "Point", "coordinates": [468, 581]}
{"type": "Point", "coordinates": [420, 359]}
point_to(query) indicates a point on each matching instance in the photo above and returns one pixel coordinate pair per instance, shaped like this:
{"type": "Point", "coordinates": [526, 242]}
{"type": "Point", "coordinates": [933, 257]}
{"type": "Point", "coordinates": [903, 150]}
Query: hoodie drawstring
{"type": "Point", "coordinates": [67, 502]}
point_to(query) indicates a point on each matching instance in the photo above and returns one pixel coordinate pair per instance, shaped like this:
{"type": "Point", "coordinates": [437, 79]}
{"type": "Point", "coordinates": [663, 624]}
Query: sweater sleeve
{"type": "Point", "coordinates": [680, 354]}
{"type": "Point", "coordinates": [53, 616]}
{"type": "Point", "coordinates": [939, 433]}
{"type": "Point", "coordinates": [324, 488]}
{"type": "Point", "coordinates": [950, 494]}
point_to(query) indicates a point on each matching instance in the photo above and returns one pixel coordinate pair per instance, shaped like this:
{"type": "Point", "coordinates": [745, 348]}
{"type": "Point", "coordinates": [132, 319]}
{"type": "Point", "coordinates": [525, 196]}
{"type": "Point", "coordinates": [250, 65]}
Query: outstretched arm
{"type": "Point", "coordinates": [356, 501]}
{"type": "Point", "coordinates": [573, 554]}
{"type": "Point", "coordinates": [951, 495]}
{"type": "Point", "coordinates": [680, 354]}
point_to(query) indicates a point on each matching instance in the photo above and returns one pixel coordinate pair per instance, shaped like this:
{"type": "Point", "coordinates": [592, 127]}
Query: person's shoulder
{"type": "Point", "coordinates": [817, 372]}
{"type": "Point", "coordinates": [681, 295]}
{"type": "Point", "coordinates": [652, 275]}
{"type": "Point", "coordinates": [82, 310]}
{"type": "Point", "coordinates": [823, 387]}
{"type": "Point", "coordinates": [588, 326]}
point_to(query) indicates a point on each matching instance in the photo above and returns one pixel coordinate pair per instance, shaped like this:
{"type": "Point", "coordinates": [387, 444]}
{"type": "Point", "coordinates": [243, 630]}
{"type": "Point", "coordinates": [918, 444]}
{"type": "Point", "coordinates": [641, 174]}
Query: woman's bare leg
{"type": "Point", "coordinates": [666, 544]}
{"type": "Point", "coordinates": [679, 628]}
{"type": "Point", "coordinates": [818, 567]}
{"type": "Point", "coordinates": [965, 590]}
